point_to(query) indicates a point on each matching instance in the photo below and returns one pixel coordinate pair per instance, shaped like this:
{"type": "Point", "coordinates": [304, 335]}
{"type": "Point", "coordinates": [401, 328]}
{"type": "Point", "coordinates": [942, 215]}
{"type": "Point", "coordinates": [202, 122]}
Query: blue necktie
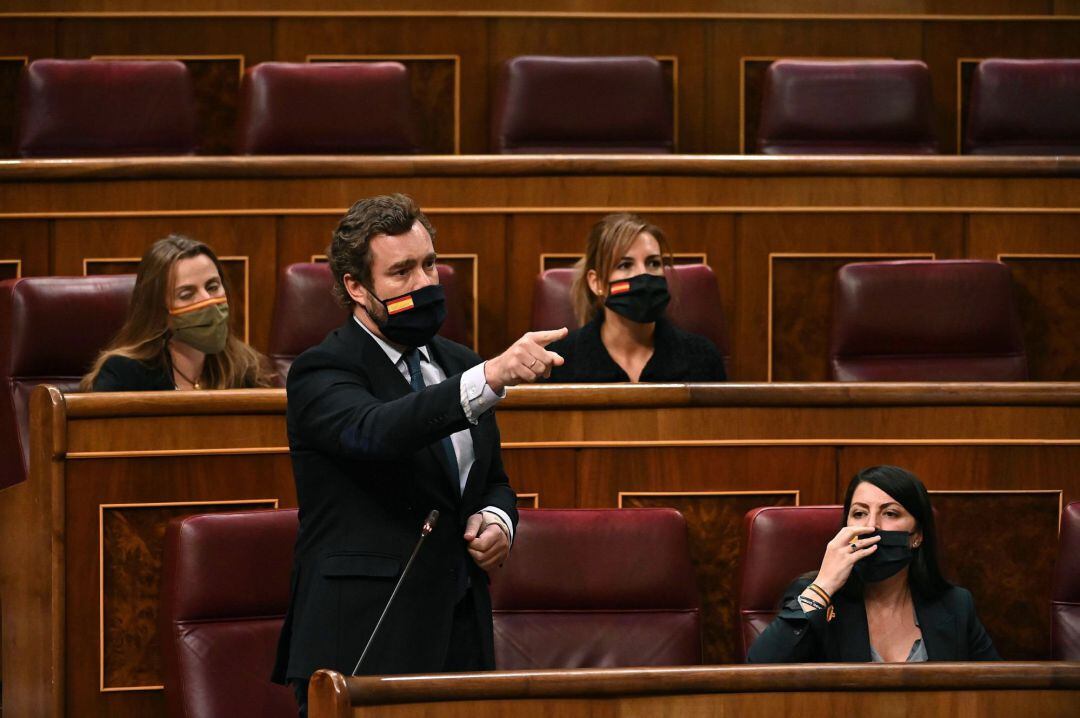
{"type": "Point", "coordinates": [412, 361]}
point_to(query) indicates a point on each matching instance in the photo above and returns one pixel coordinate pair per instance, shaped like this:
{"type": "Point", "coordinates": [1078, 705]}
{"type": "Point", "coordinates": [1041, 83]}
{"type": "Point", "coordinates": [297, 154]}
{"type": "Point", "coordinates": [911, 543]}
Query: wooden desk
{"type": "Point", "coordinates": [775, 229]}
{"type": "Point", "coordinates": [811, 691]}
{"type": "Point", "coordinates": [82, 537]}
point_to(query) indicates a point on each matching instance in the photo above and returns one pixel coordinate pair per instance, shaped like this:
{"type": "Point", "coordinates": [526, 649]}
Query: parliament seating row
{"type": "Point", "coordinates": [543, 104]}
{"type": "Point", "coordinates": [882, 328]}
{"type": "Point", "coordinates": [585, 589]}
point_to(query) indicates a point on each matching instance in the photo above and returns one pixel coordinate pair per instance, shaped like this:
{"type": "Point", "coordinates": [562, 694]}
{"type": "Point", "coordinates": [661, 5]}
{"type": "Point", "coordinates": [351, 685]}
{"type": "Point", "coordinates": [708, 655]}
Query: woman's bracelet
{"type": "Point", "coordinates": [821, 592]}
{"type": "Point", "coordinates": [807, 601]}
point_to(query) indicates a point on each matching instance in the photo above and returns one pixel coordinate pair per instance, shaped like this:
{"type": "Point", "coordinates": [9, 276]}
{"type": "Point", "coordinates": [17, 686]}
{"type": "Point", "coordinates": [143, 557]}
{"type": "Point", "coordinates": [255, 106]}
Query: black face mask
{"type": "Point", "coordinates": [414, 318]}
{"type": "Point", "coordinates": [892, 555]}
{"type": "Point", "coordinates": [641, 299]}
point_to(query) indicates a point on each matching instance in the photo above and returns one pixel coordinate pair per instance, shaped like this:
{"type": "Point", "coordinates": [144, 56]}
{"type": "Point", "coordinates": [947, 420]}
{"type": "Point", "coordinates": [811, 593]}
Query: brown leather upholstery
{"type": "Point", "coordinates": [780, 543]}
{"type": "Point", "coordinates": [325, 108]}
{"type": "Point", "coordinates": [85, 108]}
{"type": "Point", "coordinates": [590, 588]}
{"type": "Point", "coordinates": [51, 330]}
{"type": "Point", "coordinates": [946, 320]}
{"type": "Point", "coordinates": [546, 104]}
{"type": "Point", "coordinates": [224, 594]}
{"type": "Point", "coordinates": [1065, 600]}
{"type": "Point", "coordinates": [305, 310]}
{"type": "Point", "coordinates": [1024, 107]}
{"type": "Point", "coordinates": [847, 107]}
{"type": "Point", "coordinates": [695, 305]}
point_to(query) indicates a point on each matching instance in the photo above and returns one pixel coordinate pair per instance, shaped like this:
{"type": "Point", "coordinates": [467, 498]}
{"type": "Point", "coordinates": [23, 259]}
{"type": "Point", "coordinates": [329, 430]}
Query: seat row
{"type": "Point", "coordinates": [944, 320]}
{"type": "Point", "coordinates": [542, 104]}
{"type": "Point", "coordinates": [227, 589]}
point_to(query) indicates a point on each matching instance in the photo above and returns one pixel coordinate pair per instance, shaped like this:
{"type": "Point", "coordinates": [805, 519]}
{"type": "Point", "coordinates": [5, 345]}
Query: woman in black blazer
{"type": "Point", "coordinates": [620, 296]}
{"type": "Point", "coordinates": [879, 594]}
{"type": "Point", "coordinates": [177, 333]}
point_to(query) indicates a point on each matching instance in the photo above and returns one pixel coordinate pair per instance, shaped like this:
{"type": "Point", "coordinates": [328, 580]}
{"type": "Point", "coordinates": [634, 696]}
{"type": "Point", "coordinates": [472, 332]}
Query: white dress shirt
{"type": "Point", "coordinates": [476, 398]}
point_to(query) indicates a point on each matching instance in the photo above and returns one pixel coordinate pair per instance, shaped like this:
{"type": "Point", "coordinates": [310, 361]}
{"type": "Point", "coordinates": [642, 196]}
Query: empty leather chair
{"type": "Point", "coordinates": [547, 104]}
{"type": "Point", "coordinates": [1024, 107]}
{"type": "Point", "coordinates": [780, 543]}
{"type": "Point", "coordinates": [847, 107]}
{"type": "Point", "coordinates": [1065, 600]}
{"type": "Point", "coordinates": [51, 330]}
{"type": "Point", "coordinates": [87, 108]}
{"type": "Point", "coordinates": [945, 320]}
{"type": "Point", "coordinates": [590, 588]}
{"type": "Point", "coordinates": [305, 311]}
{"type": "Point", "coordinates": [695, 302]}
{"type": "Point", "coordinates": [325, 108]}
{"type": "Point", "coordinates": [224, 595]}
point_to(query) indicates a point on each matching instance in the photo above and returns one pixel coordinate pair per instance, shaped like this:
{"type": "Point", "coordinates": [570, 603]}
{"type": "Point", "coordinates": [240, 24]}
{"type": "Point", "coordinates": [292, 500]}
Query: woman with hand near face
{"type": "Point", "coordinates": [879, 595]}
{"type": "Point", "coordinates": [620, 296]}
{"type": "Point", "coordinates": [176, 335]}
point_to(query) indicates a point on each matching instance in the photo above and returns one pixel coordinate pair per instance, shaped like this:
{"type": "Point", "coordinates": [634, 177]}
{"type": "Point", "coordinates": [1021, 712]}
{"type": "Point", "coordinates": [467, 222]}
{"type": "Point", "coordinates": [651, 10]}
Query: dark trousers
{"type": "Point", "coordinates": [463, 654]}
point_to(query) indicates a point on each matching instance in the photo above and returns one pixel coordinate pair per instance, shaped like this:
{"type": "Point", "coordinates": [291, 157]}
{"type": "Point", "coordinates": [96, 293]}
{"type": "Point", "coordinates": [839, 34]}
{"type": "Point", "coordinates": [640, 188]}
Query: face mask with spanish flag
{"type": "Point", "coordinates": [414, 318]}
{"type": "Point", "coordinates": [641, 299]}
{"type": "Point", "coordinates": [203, 325]}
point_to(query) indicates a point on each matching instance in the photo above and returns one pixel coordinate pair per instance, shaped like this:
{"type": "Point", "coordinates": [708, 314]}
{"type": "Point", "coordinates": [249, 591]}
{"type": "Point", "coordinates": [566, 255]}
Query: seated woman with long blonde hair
{"type": "Point", "coordinates": [177, 335]}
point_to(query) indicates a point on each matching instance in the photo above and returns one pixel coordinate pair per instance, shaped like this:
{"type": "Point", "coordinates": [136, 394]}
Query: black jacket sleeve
{"type": "Point", "coordinates": [794, 636]}
{"type": "Point", "coordinates": [979, 645]}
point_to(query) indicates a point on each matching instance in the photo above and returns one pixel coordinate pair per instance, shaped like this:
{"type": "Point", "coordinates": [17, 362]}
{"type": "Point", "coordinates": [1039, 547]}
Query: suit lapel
{"type": "Point", "coordinates": [938, 627]}
{"type": "Point", "coordinates": [855, 645]}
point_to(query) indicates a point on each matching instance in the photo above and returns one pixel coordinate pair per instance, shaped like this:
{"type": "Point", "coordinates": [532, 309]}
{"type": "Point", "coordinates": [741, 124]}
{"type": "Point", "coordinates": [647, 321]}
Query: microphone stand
{"type": "Point", "coordinates": [427, 528]}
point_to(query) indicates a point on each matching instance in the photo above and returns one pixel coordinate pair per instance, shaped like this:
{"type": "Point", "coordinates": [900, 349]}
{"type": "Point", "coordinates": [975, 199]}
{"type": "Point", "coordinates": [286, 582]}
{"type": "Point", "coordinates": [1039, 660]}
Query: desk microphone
{"type": "Point", "coordinates": [427, 528]}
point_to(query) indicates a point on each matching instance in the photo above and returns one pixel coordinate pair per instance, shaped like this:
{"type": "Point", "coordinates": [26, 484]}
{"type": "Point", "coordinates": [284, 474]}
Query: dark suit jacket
{"type": "Point", "coordinates": [951, 631]}
{"type": "Point", "coordinates": [678, 356]}
{"type": "Point", "coordinates": [369, 467]}
{"type": "Point", "coordinates": [120, 373]}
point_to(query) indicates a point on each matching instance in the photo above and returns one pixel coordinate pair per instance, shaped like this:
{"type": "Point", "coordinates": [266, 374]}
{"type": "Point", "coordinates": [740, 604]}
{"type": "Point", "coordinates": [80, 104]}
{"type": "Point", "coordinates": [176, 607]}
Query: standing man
{"type": "Point", "coordinates": [386, 422]}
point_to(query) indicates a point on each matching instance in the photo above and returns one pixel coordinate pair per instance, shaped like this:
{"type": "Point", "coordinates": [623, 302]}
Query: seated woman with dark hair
{"type": "Point", "coordinates": [879, 594]}
{"type": "Point", "coordinates": [176, 335]}
{"type": "Point", "coordinates": [620, 295]}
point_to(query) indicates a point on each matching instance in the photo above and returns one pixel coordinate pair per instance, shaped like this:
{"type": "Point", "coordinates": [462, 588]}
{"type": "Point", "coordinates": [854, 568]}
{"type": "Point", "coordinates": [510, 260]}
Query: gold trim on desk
{"type": "Point", "coordinates": [763, 492]}
{"type": "Point", "coordinates": [18, 266]}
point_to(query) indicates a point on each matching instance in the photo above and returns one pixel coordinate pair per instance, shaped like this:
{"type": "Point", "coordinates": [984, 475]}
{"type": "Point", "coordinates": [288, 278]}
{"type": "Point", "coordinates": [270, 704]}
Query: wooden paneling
{"type": "Point", "coordinates": [10, 70]}
{"type": "Point", "coordinates": [789, 312]}
{"type": "Point", "coordinates": [25, 242]}
{"type": "Point", "coordinates": [714, 522]}
{"type": "Point", "coordinates": [551, 474]}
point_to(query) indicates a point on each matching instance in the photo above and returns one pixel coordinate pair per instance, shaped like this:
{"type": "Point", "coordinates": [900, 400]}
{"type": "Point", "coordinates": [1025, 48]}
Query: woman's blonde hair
{"type": "Point", "coordinates": [609, 240]}
{"type": "Point", "coordinates": [145, 332]}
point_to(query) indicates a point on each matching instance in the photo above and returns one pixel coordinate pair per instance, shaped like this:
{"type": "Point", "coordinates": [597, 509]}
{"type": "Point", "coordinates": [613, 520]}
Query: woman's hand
{"type": "Point", "coordinates": [840, 557]}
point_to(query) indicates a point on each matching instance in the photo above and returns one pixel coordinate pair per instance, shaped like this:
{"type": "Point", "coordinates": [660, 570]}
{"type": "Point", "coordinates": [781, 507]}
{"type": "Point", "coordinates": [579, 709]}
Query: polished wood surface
{"type": "Point", "coordinates": [1051, 689]}
{"type": "Point", "coordinates": [107, 470]}
{"type": "Point", "coordinates": [774, 229]}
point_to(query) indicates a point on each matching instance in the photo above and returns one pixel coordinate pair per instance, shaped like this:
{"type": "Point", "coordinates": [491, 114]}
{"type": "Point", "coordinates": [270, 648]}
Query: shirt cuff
{"type": "Point", "coordinates": [476, 396]}
{"type": "Point", "coordinates": [503, 519]}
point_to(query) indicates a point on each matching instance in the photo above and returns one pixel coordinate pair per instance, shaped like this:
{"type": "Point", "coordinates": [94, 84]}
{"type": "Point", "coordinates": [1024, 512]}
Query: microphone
{"type": "Point", "coordinates": [425, 530]}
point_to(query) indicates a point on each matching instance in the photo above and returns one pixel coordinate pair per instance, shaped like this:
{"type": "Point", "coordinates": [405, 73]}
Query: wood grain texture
{"type": "Point", "coordinates": [1047, 295]}
{"type": "Point", "coordinates": [28, 242]}
{"type": "Point", "coordinates": [714, 524]}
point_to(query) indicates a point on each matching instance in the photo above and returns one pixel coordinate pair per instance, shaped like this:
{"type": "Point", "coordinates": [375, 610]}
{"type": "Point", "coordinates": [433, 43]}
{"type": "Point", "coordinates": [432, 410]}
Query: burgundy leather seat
{"type": "Point", "coordinates": [87, 108]}
{"type": "Point", "coordinates": [945, 320]}
{"type": "Point", "coordinates": [588, 588]}
{"type": "Point", "coordinates": [224, 594]}
{"type": "Point", "coordinates": [780, 543]}
{"type": "Point", "coordinates": [847, 107]}
{"type": "Point", "coordinates": [305, 310]}
{"type": "Point", "coordinates": [51, 330]}
{"type": "Point", "coordinates": [325, 108]}
{"type": "Point", "coordinates": [547, 104]}
{"type": "Point", "coordinates": [1065, 601]}
{"type": "Point", "coordinates": [1024, 107]}
{"type": "Point", "coordinates": [695, 305]}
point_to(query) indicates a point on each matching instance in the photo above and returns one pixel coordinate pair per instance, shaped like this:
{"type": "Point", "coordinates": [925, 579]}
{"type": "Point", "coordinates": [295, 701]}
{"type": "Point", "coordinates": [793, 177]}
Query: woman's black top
{"type": "Point", "coordinates": [678, 357]}
{"type": "Point", "coordinates": [120, 373]}
{"type": "Point", "coordinates": [951, 630]}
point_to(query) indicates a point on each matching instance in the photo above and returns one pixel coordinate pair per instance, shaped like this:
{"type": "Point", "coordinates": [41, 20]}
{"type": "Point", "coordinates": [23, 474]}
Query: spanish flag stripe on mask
{"type": "Point", "coordinates": [620, 287]}
{"type": "Point", "coordinates": [401, 304]}
{"type": "Point", "coordinates": [197, 306]}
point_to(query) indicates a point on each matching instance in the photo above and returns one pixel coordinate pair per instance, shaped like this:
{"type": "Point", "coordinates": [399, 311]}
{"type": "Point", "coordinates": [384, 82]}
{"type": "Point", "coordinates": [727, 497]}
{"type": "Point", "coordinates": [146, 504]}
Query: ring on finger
{"type": "Point", "coordinates": [854, 547]}
{"type": "Point", "coordinates": [533, 362]}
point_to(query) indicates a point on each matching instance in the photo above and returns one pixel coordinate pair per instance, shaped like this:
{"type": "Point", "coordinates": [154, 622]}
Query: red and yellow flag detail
{"type": "Point", "coordinates": [396, 306]}
{"type": "Point", "coordinates": [198, 305]}
{"type": "Point", "coordinates": [620, 287]}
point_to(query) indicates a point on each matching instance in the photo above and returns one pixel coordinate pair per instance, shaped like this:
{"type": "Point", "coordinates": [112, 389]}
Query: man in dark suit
{"type": "Point", "coordinates": [386, 422]}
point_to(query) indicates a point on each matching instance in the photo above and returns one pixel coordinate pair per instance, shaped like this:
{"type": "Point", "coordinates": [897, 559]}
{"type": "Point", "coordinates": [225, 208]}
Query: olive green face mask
{"type": "Point", "coordinates": [203, 325]}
